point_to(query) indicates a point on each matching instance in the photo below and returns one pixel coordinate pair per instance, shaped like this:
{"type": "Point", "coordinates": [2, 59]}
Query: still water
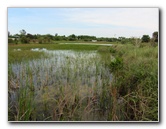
{"type": "Point", "coordinates": [63, 67]}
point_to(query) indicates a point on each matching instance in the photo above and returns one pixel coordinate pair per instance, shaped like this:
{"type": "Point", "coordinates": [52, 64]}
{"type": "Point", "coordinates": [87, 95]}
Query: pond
{"type": "Point", "coordinates": [62, 68]}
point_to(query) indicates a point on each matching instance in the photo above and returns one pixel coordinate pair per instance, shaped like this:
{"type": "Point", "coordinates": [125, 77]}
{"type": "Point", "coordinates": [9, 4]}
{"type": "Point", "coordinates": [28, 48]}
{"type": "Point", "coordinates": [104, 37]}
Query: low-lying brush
{"type": "Point", "coordinates": [137, 83]}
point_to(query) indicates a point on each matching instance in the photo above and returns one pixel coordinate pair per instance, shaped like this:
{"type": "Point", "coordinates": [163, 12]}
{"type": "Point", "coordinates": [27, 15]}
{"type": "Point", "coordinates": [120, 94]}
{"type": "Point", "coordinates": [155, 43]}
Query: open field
{"type": "Point", "coordinates": [66, 82]}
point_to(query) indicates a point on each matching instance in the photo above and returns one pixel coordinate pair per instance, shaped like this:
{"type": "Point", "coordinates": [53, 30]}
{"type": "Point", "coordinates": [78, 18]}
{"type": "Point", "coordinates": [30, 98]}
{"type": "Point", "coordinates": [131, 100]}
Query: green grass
{"type": "Point", "coordinates": [132, 95]}
{"type": "Point", "coordinates": [74, 100]}
{"type": "Point", "coordinates": [136, 83]}
{"type": "Point", "coordinates": [25, 53]}
{"type": "Point", "coordinates": [54, 46]}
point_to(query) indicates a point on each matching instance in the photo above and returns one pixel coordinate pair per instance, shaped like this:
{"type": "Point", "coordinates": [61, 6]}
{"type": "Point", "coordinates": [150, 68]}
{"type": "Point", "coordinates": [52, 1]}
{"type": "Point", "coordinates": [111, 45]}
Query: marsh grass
{"type": "Point", "coordinates": [136, 83]}
{"type": "Point", "coordinates": [54, 46]}
{"type": "Point", "coordinates": [66, 86]}
{"type": "Point", "coordinates": [19, 56]}
{"type": "Point", "coordinates": [118, 83]}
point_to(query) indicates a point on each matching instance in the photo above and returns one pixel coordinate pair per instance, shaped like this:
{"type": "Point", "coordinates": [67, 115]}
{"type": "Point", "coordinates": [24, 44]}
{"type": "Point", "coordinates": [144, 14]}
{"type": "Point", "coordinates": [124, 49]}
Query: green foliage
{"type": "Point", "coordinates": [103, 49]}
{"type": "Point", "coordinates": [112, 50]}
{"type": "Point", "coordinates": [145, 38]}
{"type": "Point", "coordinates": [123, 40]}
{"type": "Point", "coordinates": [132, 94]}
{"type": "Point", "coordinates": [24, 40]}
{"type": "Point", "coordinates": [59, 101]}
{"type": "Point", "coordinates": [10, 40]}
{"type": "Point", "coordinates": [155, 36]}
{"type": "Point", "coordinates": [86, 38]}
{"type": "Point", "coordinates": [116, 64]}
{"type": "Point", "coordinates": [72, 37]}
{"type": "Point", "coordinates": [54, 46]}
{"type": "Point", "coordinates": [22, 32]}
{"type": "Point", "coordinates": [136, 83]}
{"type": "Point", "coordinates": [18, 56]}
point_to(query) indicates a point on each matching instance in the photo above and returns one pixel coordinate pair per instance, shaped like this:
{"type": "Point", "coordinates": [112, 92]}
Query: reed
{"type": "Point", "coordinates": [137, 82]}
{"type": "Point", "coordinates": [118, 83]}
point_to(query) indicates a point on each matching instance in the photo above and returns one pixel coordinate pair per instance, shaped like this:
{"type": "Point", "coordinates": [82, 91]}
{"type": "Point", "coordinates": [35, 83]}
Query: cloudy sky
{"type": "Point", "coordinates": [100, 22]}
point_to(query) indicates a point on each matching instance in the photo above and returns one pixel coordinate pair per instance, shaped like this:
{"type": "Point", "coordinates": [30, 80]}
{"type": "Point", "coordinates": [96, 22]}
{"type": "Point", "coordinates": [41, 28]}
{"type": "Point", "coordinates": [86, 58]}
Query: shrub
{"type": "Point", "coordinates": [116, 64]}
{"type": "Point", "coordinates": [112, 50]}
{"type": "Point", "coordinates": [145, 38]}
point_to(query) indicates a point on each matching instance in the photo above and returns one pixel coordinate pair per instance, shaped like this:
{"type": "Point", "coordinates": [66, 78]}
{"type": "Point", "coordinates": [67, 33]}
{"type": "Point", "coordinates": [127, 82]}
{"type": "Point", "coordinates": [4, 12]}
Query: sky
{"type": "Point", "coordinates": [99, 22]}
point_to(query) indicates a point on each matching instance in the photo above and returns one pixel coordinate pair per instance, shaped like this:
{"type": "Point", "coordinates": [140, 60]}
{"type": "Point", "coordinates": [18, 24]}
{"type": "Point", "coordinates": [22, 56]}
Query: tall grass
{"type": "Point", "coordinates": [136, 82]}
{"type": "Point", "coordinates": [118, 83]}
{"type": "Point", "coordinates": [19, 56]}
{"type": "Point", "coordinates": [66, 86]}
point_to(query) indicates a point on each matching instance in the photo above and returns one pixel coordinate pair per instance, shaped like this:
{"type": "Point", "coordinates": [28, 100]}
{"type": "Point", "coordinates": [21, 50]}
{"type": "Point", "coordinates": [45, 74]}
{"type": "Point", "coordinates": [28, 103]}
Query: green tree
{"type": "Point", "coordinates": [22, 32]}
{"type": "Point", "coordinates": [72, 37]}
{"type": "Point", "coordinates": [155, 36]}
{"type": "Point", "coordinates": [8, 34]}
{"type": "Point", "coordinates": [30, 36]}
{"type": "Point", "coordinates": [24, 39]}
{"type": "Point", "coordinates": [145, 38]}
{"type": "Point", "coordinates": [56, 34]}
{"type": "Point", "coordinates": [122, 40]}
{"type": "Point", "coordinates": [40, 40]}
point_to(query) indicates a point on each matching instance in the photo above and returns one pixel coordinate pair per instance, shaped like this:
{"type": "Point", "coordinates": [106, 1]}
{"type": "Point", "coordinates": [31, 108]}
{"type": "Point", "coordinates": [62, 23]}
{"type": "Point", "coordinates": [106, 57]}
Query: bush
{"type": "Point", "coordinates": [136, 82]}
{"type": "Point", "coordinates": [10, 41]}
{"type": "Point", "coordinates": [145, 38]}
{"type": "Point", "coordinates": [116, 64]}
{"type": "Point", "coordinates": [112, 50]}
{"type": "Point", "coordinates": [24, 40]}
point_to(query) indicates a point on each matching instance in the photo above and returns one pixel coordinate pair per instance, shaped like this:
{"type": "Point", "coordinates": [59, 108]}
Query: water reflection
{"type": "Point", "coordinates": [63, 67]}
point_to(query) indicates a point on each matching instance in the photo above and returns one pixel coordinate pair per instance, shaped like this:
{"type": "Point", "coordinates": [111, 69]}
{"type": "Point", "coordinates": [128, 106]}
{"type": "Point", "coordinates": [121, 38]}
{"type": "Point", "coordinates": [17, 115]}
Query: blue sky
{"type": "Point", "coordinates": [100, 22]}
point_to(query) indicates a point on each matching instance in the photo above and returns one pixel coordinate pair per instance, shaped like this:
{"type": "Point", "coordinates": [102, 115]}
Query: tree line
{"type": "Point", "coordinates": [25, 38]}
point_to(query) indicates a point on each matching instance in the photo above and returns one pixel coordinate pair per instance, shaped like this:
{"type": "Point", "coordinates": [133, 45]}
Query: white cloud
{"type": "Point", "coordinates": [108, 22]}
{"type": "Point", "coordinates": [91, 21]}
{"type": "Point", "coordinates": [146, 18]}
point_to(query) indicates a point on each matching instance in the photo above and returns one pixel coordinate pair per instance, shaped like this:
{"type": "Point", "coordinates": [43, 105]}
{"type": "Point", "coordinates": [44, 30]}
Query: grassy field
{"type": "Point", "coordinates": [26, 54]}
{"type": "Point", "coordinates": [53, 46]}
{"type": "Point", "coordinates": [96, 83]}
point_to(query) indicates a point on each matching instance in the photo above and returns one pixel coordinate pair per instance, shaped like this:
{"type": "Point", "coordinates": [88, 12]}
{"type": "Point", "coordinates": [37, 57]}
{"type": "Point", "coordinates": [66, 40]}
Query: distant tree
{"type": "Point", "coordinates": [49, 36]}
{"type": "Point", "coordinates": [72, 37]}
{"type": "Point", "coordinates": [24, 39]}
{"type": "Point", "coordinates": [10, 40]}
{"type": "Point", "coordinates": [122, 40]}
{"type": "Point", "coordinates": [30, 36]}
{"type": "Point", "coordinates": [40, 40]}
{"type": "Point", "coordinates": [8, 33]}
{"type": "Point", "coordinates": [63, 37]}
{"type": "Point", "coordinates": [145, 38]}
{"type": "Point", "coordinates": [56, 34]}
{"type": "Point", "coordinates": [47, 39]}
{"type": "Point", "coordinates": [155, 36]}
{"type": "Point", "coordinates": [57, 38]}
{"type": "Point", "coordinates": [16, 35]}
{"type": "Point", "coordinates": [22, 32]}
